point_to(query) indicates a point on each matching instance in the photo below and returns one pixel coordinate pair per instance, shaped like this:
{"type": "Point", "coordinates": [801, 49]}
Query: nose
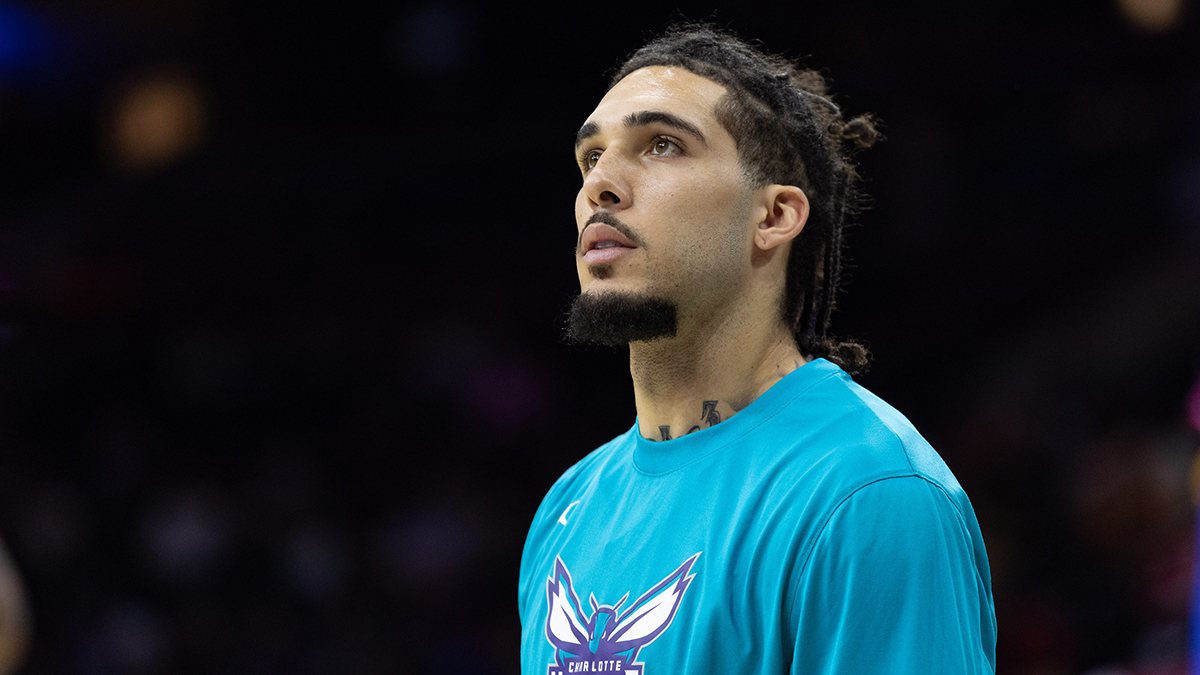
{"type": "Point", "coordinates": [604, 187]}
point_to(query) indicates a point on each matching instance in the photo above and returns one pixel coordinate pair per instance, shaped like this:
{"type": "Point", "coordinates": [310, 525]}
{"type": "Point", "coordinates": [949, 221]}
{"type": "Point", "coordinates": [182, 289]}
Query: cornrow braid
{"type": "Point", "coordinates": [788, 132]}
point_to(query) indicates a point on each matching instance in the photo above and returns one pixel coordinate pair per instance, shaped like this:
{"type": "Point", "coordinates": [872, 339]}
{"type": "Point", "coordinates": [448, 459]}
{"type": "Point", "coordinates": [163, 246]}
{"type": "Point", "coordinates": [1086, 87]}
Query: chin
{"type": "Point", "coordinates": [616, 317]}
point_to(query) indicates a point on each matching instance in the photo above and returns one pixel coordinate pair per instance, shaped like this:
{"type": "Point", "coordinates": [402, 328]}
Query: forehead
{"type": "Point", "coordinates": [666, 88]}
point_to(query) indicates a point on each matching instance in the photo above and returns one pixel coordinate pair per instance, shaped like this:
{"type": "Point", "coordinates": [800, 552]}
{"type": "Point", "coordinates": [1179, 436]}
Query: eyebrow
{"type": "Point", "coordinates": [644, 118]}
{"type": "Point", "coordinates": [585, 132]}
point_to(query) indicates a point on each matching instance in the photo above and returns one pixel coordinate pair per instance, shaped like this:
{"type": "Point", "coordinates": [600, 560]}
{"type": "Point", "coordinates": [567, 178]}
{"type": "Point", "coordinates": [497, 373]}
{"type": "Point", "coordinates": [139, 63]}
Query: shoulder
{"type": "Point", "coordinates": [897, 514]}
{"type": "Point", "coordinates": [857, 438]}
{"type": "Point", "coordinates": [856, 463]}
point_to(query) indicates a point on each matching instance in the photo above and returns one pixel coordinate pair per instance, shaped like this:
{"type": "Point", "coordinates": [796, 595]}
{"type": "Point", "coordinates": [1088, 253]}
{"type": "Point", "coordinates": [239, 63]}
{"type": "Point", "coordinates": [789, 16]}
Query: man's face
{"type": "Point", "coordinates": [664, 210]}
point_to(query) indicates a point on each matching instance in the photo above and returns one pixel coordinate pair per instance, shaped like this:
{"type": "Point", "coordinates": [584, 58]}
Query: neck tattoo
{"type": "Point", "coordinates": [709, 417]}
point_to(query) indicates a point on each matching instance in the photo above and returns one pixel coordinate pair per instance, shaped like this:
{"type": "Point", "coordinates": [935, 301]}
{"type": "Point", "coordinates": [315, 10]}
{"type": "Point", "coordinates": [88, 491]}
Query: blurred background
{"type": "Point", "coordinates": [281, 287]}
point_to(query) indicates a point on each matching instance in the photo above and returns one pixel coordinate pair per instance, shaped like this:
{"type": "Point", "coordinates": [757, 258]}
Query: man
{"type": "Point", "coordinates": [764, 514]}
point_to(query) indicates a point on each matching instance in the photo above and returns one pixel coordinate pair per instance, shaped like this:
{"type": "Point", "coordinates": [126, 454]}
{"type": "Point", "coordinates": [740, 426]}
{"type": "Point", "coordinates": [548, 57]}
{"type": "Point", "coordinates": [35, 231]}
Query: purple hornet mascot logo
{"type": "Point", "coordinates": [607, 642]}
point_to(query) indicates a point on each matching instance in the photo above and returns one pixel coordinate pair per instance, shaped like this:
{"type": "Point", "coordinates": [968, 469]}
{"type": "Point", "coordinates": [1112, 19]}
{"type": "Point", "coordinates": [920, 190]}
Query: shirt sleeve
{"type": "Point", "coordinates": [892, 585]}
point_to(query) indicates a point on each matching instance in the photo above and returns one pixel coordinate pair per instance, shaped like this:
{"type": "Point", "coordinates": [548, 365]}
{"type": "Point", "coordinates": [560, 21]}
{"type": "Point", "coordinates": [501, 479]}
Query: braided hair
{"type": "Point", "coordinates": [788, 132]}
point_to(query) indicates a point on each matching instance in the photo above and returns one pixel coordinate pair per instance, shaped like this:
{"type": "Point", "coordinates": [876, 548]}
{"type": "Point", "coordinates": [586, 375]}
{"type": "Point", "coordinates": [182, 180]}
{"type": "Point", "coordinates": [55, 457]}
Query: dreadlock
{"type": "Point", "coordinates": [788, 132]}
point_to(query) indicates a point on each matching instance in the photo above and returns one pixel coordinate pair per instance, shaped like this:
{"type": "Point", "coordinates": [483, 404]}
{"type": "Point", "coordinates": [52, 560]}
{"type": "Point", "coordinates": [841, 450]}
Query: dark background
{"type": "Point", "coordinates": [281, 381]}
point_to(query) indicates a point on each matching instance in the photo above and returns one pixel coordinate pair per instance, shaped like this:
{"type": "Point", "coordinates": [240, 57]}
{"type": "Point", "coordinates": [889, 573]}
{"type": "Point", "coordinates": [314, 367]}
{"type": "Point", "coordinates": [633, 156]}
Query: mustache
{"type": "Point", "coordinates": [610, 220]}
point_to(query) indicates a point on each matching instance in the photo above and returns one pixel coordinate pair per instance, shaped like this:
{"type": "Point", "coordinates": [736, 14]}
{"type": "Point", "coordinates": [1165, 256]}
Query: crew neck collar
{"type": "Point", "coordinates": [659, 457]}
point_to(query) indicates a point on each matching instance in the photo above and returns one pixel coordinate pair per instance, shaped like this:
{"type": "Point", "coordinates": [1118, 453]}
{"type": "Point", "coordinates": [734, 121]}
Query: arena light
{"type": "Point", "coordinates": [155, 121]}
{"type": "Point", "coordinates": [1152, 16]}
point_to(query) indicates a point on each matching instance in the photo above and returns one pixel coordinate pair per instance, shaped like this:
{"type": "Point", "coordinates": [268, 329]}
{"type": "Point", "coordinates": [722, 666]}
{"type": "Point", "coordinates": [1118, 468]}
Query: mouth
{"type": "Point", "coordinates": [602, 243]}
{"type": "Point", "coordinates": [605, 251]}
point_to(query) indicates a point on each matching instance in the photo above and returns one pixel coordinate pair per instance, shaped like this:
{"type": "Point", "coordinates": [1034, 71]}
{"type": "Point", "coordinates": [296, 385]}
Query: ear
{"type": "Point", "coordinates": [786, 214]}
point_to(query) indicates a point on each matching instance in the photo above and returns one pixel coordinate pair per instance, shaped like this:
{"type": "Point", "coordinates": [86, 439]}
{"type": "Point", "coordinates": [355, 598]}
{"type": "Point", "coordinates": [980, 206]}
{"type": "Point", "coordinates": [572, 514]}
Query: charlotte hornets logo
{"type": "Point", "coordinates": [607, 641]}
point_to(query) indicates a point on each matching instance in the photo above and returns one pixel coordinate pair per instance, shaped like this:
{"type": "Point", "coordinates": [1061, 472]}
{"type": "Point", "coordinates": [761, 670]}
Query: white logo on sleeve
{"type": "Point", "coordinates": [562, 520]}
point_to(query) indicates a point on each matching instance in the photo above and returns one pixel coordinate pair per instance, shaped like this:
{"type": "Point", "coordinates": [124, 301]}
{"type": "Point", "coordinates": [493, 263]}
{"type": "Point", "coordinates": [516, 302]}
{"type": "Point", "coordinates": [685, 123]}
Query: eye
{"type": "Point", "coordinates": [664, 146]}
{"type": "Point", "coordinates": [589, 159]}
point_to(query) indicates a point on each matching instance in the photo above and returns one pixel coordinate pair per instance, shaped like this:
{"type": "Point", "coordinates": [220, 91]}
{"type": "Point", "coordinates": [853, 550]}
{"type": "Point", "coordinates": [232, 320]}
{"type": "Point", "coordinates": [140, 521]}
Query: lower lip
{"type": "Point", "coordinates": [603, 255]}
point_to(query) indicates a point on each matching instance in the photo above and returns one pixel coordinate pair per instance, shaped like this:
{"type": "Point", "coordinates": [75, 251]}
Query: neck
{"type": "Point", "coordinates": [708, 372]}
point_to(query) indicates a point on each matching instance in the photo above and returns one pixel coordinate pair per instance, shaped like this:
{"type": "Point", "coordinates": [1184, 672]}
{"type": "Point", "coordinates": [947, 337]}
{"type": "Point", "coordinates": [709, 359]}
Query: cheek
{"type": "Point", "coordinates": [581, 215]}
{"type": "Point", "coordinates": [580, 208]}
{"type": "Point", "coordinates": [700, 210]}
{"type": "Point", "coordinates": [710, 235]}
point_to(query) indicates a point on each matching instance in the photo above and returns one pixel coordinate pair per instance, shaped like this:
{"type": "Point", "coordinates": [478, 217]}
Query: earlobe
{"type": "Point", "coordinates": [787, 212]}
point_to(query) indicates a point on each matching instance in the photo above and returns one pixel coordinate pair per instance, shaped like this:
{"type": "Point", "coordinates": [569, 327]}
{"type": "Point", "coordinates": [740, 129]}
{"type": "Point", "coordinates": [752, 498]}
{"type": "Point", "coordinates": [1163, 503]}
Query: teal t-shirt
{"type": "Point", "coordinates": [815, 532]}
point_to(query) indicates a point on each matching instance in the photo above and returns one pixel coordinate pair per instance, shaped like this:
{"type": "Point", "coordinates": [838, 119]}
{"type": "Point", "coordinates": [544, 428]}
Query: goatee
{"type": "Point", "coordinates": [616, 319]}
